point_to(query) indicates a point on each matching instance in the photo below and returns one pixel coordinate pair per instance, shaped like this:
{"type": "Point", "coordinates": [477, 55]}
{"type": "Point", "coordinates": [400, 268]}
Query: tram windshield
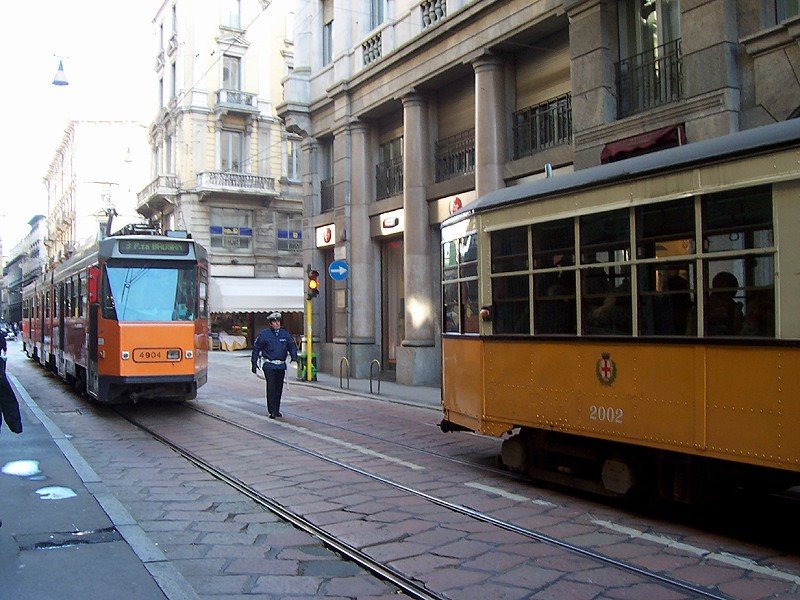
{"type": "Point", "coordinates": [149, 292]}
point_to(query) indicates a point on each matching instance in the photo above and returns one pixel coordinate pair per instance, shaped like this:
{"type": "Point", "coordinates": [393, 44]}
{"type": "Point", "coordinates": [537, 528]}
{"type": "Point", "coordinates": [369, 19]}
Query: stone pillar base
{"type": "Point", "coordinates": [419, 365]}
{"type": "Point", "coordinates": [361, 356]}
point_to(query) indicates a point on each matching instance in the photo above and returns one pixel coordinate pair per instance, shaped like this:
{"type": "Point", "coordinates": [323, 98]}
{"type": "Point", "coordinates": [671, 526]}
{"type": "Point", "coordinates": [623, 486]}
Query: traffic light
{"type": "Point", "coordinates": [312, 287]}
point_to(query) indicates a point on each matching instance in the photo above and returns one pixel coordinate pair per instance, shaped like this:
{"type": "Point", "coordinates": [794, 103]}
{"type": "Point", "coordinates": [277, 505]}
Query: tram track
{"type": "Point", "coordinates": [407, 585]}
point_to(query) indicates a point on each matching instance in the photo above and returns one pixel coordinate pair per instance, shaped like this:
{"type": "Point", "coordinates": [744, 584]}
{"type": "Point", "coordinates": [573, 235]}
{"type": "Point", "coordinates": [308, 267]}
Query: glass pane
{"type": "Point", "coordinates": [145, 293]}
{"type": "Point", "coordinates": [450, 309]}
{"type": "Point", "coordinates": [737, 220]}
{"type": "Point", "coordinates": [606, 301]}
{"type": "Point", "coordinates": [554, 303]}
{"type": "Point", "coordinates": [667, 299]}
{"type": "Point", "coordinates": [741, 296]}
{"type": "Point", "coordinates": [665, 229]}
{"type": "Point", "coordinates": [554, 244]}
{"type": "Point", "coordinates": [510, 250]}
{"type": "Point", "coordinates": [469, 306]}
{"type": "Point", "coordinates": [510, 296]}
{"type": "Point", "coordinates": [604, 237]}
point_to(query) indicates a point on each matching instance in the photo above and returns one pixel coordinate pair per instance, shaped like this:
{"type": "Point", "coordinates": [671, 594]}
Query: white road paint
{"type": "Point", "coordinates": [726, 558]}
{"type": "Point", "coordinates": [333, 440]}
{"type": "Point", "coordinates": [505, 494]}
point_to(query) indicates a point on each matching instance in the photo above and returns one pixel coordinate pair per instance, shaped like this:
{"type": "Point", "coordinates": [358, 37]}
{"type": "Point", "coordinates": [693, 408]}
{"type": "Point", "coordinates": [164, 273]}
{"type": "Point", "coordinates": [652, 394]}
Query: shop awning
{"type": "Point", "coordinates": [651, 141]}
{"type": "Point", "coordinates": [240, 294]}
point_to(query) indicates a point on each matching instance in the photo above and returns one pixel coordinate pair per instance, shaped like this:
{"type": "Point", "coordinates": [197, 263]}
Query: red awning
{"type": "Point", "coordinates": [651, 141]}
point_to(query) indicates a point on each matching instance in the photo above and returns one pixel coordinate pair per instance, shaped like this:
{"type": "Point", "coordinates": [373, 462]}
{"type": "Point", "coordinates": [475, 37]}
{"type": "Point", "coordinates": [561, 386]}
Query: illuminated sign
{"type": "Point", "coordinates": [155, 246]}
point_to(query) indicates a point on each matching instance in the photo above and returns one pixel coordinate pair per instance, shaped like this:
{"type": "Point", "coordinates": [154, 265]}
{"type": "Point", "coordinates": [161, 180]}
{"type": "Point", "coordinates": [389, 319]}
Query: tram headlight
{"type": "Point", "coordinates": [189, 354]}
{"type": "Point", "coordinates": [126, 355]}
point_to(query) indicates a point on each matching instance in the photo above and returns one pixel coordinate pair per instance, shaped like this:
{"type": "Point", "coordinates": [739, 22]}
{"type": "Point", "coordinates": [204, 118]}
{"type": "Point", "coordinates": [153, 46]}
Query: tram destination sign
{"type": "Point", "coordinates": [154, 247]}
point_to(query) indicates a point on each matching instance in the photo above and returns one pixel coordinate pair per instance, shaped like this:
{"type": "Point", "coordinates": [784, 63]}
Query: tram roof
{"type": "Point", "coordinates": [750, 141]}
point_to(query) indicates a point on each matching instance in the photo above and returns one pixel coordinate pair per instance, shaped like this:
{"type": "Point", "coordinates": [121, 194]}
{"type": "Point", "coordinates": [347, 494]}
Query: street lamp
{"type": "Point", "coordinates": [60, 78]}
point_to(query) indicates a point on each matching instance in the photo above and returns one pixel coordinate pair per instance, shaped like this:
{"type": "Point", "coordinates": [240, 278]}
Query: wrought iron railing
{"type": "Point", "coordinates": [542, 126]}
{"type": "Point", "coordinates": [455, 155]}
{"type": "Point", "coordinates": [650, 79]}
{"type": "Point", "coordinates": [389, 178]}
{"type": "Point", "coordinates": [326, 195]}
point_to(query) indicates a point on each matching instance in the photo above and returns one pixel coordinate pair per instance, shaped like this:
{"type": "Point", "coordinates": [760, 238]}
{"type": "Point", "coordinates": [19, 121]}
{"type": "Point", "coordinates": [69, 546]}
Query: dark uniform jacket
{"type": "Point", "coordinates": [273, 346]}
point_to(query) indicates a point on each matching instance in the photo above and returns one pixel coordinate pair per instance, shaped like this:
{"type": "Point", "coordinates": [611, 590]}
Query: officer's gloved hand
{"type": "Point", "coordinates": [253, 368]}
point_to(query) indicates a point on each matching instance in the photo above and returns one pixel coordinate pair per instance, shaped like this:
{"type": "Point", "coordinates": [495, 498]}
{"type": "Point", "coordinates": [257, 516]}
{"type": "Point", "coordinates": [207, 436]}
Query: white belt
{"type": "Point", "coordinates": [274, 362]}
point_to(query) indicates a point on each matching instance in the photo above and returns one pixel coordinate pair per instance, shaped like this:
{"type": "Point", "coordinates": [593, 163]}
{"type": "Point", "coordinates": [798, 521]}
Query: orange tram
{"type": "Point", "coordinates": [124, 320]}
{"type": "Point", "coordinates": [635, 326]}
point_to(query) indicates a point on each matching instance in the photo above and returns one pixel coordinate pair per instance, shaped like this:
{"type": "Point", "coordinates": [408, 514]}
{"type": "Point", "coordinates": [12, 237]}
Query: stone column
{"type": "Point", "coordinates": [362, 284]}
{"type": "Point", "coordinates": [491, 148]}
{"type": "Point", "coordinates": [416, 357]}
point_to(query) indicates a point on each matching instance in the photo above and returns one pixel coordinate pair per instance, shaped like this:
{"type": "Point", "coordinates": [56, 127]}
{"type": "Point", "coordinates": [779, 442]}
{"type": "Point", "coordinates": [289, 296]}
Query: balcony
{"type": "Point", "coordinates": [455, 155]}
{"type": "Point", "coordinates": [236, 102]}
{"type": "Point", "coordinates": [157, 194]}
{"type": "Point", "coordinates": [372, 48]}
{"type": "Point", "coordinates": [650, 79]}
{"type": "Point", "coordinates": [209, 182]}
{"type": "Point", "coordinates": [432, 11]}
{"type": "Point", "coordinates": [389, 178]}
{"type": "Point", "coordinates": [543, 126]}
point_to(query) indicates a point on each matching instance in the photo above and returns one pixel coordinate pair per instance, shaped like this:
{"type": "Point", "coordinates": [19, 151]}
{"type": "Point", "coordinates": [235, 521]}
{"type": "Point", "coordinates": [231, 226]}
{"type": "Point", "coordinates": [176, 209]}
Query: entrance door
{"type": "Point", "coordinates": [392, 302]}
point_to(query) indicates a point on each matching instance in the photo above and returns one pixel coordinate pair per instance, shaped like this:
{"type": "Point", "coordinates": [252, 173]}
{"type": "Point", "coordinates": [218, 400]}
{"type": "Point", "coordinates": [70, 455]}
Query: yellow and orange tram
{"type": "Point", "coordinates": [636, 325]}
{"type": "Point", "coordinates": [125, 319]}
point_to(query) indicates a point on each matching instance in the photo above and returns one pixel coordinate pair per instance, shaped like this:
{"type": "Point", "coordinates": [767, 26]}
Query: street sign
{"type": "Point", "coordinates": [338, 270]}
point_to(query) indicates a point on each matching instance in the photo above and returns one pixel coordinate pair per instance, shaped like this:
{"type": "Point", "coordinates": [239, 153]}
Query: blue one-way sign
{"type": "Point", "coordinates": [339, 270]}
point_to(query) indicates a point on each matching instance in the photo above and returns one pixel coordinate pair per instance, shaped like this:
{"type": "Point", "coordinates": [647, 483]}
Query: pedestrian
{"type": "Point", "coordinates": [9, 405]}
{"type": "Point", "coordinates": [273, 345]}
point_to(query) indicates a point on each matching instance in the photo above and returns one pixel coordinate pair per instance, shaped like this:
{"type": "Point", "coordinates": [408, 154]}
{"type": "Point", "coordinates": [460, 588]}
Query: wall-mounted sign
{"type": "Point", "coordinates": [325, 235]}
{"type": "Point", "coordinates": [392, 222]}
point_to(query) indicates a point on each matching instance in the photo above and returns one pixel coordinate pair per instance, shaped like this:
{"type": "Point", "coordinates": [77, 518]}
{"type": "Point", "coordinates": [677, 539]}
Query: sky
{"type": "Point", "coordinates": [108, 53]}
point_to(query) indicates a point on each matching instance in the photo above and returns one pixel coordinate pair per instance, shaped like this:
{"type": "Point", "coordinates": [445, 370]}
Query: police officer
{"type": "Point", "coordinates": [273, 345]}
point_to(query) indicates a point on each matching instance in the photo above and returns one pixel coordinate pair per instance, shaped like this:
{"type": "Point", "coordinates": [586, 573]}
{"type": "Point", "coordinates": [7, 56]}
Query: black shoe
{"type": "Point", "coordinates": [272, 416]}
{"type": "Point", "coordinates": [278, 415]}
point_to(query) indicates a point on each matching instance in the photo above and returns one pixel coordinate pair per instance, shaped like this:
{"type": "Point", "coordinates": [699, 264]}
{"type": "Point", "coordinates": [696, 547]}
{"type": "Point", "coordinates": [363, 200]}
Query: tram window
{"type": "Point", "coordinates": [740, 297]}
{"type": "Point", "coordinates": [666, 228]}
{"type": "Point", "coordinates": [605, 237]}
{"type": "Point", "coordinates": [606, 301]}
{"type": "Point", "coordinates": [667, 299]}
{"type": "Point", "coordinates": [554, 302]}
{"type": "Point", "coordinates": [451, 308]}
{"type": "Point", "coordinates": [737, 220]}
{"type": "Point", "coordinates": [554, 244]}
{"type": "Point", "coordinates": [510, 250]}
{"type": "Point", "coordinates": [469, 305]}
{"type": "Point", "coordinates": [511, 300]}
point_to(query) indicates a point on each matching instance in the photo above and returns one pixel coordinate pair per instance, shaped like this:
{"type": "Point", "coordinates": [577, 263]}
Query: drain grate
{"type": "Point", "coordinates": [66, 539]}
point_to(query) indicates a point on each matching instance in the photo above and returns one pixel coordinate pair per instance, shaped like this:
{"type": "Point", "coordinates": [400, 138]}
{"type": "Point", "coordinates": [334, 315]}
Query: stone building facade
{"type": "Point", "coordinates": [411, 109]}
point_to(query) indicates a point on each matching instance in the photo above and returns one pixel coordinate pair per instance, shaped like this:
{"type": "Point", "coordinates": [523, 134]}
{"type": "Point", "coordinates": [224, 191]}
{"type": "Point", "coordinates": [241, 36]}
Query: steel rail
{"type": "Point", "coordinates": [406, 585]}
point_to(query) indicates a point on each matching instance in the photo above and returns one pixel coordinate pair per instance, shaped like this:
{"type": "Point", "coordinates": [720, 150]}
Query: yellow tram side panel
{"type": "Point", "coordinates": [152, 337]}
{"type": "Point", "coordinates": [732, 402]}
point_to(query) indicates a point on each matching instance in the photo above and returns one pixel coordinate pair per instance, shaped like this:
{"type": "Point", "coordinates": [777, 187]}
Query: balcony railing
{"type": "Point", "coordinates": [326, 195]}
{"type": "Point", "coordinates": [235, 182]}
{"type": "Point", "coordinates": [432, 11]}
{"type": "Point", "coordinates": [236, 100]}
{"type": "Point", "coordinates": [650, 79]}
{"type": "Point", "coordinates": [163, 185]}
{"type": "Point", "coordinates": [542, 126]}
{"type": "Point", "coordinates": [455, 155]}
{"type": "Point", "coordinates": [372, 48]}
{"type": "Point", "coordinates": [389, 178]}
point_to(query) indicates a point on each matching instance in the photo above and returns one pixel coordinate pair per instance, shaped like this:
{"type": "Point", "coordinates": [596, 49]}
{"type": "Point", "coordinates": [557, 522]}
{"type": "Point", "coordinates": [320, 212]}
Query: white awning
{"type": "Point", "coordinates": [240, 294]}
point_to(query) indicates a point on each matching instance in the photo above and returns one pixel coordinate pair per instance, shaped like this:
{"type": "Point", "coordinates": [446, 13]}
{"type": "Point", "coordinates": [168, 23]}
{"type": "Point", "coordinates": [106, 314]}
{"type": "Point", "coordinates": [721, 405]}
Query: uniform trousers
{"type": "Point", "coordinates": [274, 379]}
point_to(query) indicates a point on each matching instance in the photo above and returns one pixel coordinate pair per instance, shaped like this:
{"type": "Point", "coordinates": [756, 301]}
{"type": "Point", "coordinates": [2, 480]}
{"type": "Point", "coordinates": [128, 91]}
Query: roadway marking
{"type": "Point", "coordinates": [726, 558]}
{"type": "Point", "coordinates": [333, 440]}
{"type": "Point", "coordinates": [505, 494]}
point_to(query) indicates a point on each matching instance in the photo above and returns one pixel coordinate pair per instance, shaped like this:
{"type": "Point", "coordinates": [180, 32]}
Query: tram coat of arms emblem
{"type": "Point", "coordinates": [606, 369]}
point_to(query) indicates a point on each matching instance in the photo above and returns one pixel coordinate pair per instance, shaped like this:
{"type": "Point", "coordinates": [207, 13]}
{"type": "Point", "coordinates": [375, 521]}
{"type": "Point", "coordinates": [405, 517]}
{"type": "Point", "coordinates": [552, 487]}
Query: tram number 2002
{"type": "Point", "coordinates": [605, 413]}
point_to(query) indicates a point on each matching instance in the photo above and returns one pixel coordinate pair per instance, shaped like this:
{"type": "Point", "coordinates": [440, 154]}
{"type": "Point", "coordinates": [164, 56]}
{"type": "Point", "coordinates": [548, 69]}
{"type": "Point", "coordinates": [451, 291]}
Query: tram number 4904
{"type": "Point", "coordinates": [606, 413]}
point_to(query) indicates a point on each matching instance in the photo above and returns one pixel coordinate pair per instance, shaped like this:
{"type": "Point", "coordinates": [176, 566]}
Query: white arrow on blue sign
{"type": "Point", "coordinates": [338, 270]}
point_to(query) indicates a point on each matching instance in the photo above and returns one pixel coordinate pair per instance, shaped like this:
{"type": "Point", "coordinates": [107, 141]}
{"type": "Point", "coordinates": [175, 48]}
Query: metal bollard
{"type": "Point", "coordinates": [375, 361]}
{"type": "Point", "coordinates": [342, 363]}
